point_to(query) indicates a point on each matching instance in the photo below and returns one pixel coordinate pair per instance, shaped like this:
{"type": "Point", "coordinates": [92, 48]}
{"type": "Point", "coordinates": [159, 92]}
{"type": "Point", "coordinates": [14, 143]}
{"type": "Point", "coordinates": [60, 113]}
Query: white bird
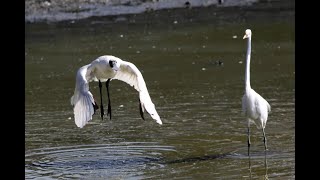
{"type": "Point", "coordinates": [104, 69]}
{"type": "Point", "coordinates": [254, 106]}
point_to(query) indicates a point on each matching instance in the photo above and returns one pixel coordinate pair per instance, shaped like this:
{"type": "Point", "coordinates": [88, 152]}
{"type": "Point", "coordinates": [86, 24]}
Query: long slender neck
{"type": "Point", "coordinates": [247, 76]}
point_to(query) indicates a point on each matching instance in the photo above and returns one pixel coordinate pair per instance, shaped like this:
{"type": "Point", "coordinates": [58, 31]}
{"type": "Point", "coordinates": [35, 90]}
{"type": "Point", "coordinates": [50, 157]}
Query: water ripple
{"type": "Point", "coordinates": [105, 160]}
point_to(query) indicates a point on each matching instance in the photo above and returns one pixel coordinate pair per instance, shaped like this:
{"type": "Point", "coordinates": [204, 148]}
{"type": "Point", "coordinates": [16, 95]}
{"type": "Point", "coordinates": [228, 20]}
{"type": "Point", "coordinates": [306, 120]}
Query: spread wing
{"type": "Point", "coordinates": [130, 74]}
{"type": "Point", "coordinates": [82, 99]}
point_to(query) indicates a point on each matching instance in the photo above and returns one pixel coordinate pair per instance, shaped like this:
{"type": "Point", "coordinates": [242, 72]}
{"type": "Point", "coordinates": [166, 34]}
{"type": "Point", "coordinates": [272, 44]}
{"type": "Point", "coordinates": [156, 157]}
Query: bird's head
{"type": "Point", "coordinates": [247, 34]}
{"type": "Point", "coordinates": [114, 64]}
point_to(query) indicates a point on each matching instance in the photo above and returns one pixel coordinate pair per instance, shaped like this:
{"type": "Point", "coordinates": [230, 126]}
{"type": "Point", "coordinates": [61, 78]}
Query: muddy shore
{"type": "Point", "coordinates": [61, 10]}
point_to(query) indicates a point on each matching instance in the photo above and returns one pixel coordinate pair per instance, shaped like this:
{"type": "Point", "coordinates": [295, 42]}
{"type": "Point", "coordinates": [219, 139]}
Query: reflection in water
{"type": "Point", "coordinates": [265, 159]}
{"type": "Point", "coordinates": [199, 158]}
{"type": "Point", "coordinates": [105, 160]}
{"type": "Point", "coordinates": [265, 166]}
{"type": "Point", "coordinates": [266, 163]}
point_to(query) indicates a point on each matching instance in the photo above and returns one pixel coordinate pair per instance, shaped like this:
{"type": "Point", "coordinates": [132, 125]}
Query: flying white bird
{"type": "Point", "coordinates": [104, 69]}
{"type": "Point", "coordinates": [254, 106]}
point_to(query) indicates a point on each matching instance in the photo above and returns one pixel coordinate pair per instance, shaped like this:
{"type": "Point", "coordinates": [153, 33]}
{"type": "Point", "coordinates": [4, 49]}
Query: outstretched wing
{"type": "Point", "coordinates": [130, 74]}
{"type": "Point", "coordinates": [82, 99]}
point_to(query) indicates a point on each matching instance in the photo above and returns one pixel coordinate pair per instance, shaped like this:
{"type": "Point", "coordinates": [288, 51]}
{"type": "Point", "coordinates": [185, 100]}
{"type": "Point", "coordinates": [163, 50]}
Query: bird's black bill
{"type": "Point", "coordinates": [109, 102]}
{"type": "Point", "coordinates": [101, 105]}
{"type": "Point", "coordinates": [140, 108]}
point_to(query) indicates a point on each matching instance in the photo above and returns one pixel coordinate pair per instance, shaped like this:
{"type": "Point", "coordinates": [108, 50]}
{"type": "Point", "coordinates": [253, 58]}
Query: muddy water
{"type": "Point", "coordinates": [198, 99]}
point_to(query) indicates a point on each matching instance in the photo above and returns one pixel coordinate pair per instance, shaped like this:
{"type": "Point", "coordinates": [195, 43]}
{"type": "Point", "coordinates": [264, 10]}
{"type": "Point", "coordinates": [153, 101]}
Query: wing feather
{"type": "Point", "coordinates": [262, 108]}
{"type": "Point", "coordinates": [82, 99]}
{"type": "Point", "coordinates": [130, 74]}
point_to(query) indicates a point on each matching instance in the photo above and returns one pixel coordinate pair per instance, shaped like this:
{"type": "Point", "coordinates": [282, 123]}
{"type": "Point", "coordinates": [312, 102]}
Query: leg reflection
{"type": "Point", "coordinates": [250, 169]}
{"type": "Point", "coordinates": [249, 143]}
{"type": "Point", "coordinates": [265, 154]}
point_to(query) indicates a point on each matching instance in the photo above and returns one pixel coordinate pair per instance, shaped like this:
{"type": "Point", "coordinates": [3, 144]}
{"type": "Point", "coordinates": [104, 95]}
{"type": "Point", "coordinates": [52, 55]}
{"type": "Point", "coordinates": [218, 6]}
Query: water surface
{"type": "Point", "coordinates": [199, 101]}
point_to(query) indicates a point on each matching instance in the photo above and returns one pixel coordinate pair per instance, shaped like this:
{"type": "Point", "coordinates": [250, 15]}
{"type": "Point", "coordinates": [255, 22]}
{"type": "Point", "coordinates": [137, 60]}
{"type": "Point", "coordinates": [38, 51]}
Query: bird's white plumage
{"type": "Point", "coordinates": [130, 74]}
{"type": "Point", "coordinates": [82, 99]}
{"type": "Point", "coordinates": [100, 69]}
{"type": "Point", "coordinates": [254, 106]}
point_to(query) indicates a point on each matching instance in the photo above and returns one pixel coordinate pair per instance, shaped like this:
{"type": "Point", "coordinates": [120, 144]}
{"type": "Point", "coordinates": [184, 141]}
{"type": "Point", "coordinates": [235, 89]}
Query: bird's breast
{"type": "Point", "coordinates": [104, 72]}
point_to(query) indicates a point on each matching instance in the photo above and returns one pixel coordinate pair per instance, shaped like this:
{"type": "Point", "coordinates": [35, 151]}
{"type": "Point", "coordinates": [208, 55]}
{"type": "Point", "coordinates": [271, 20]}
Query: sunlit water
{"type": "Point", "coordinates": [198, 99]}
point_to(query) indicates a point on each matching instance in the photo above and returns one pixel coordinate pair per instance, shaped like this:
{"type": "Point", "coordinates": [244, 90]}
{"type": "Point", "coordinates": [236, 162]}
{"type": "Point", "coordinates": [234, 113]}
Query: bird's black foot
{"type": "Point", "coordinates": [102, 112]}
{"type": "Point", "coordinates": [109, 111]}
{"type": "Point", "coordinates": [95, 107]}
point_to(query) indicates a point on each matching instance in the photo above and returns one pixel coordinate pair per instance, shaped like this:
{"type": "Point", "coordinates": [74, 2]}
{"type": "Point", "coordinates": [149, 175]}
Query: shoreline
{"type": "Point", "coordinates": [62, 10]}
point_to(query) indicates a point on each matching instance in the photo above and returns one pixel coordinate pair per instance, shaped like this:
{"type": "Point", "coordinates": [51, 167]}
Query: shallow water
{"type": "Point", "coordinates": [199, 101]}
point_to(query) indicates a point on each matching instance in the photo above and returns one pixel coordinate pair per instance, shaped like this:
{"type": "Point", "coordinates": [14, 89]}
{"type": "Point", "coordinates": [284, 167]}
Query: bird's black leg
{"type": "Point", "coordinates": [109, 103]}
{"type": "Point", "coordinates": [264, 139]}
{"type": "Point", "coordinates": [101, 104]}
{"type": "Point", "coordinates": [249, 143]}
{"type": "Point", "coordinates": [265, 152]}
{"type": "Point", "coordinates": [141, 111]}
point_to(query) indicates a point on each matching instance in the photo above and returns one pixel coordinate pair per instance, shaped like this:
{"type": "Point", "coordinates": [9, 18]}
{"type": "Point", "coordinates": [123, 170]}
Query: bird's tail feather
{"type": "Point", "coordinates": [83, 108]}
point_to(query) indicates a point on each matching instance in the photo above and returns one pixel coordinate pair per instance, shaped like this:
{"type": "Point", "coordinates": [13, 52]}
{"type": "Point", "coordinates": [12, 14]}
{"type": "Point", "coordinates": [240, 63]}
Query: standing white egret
{"type": "Point", "coordinates": [104, 69]}
{"type": "Point", "coordinates": [254, 106]}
